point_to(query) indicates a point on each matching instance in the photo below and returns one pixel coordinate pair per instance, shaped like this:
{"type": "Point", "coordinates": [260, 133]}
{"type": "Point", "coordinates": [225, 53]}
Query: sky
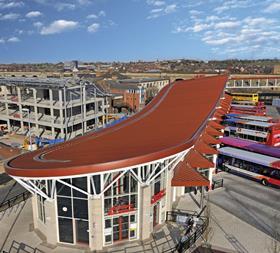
{"type": "Point", "coordinates": [123, 30]}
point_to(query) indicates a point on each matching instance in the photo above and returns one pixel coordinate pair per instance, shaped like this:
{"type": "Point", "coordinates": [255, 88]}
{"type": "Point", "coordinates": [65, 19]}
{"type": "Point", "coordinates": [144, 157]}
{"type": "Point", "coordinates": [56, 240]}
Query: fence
{"type": "Point", "coordinates": [17, 247]}
{"type": "Point", "coordinates": [14, 200]}
{"type": "Point", "coordinates": [186, 242]}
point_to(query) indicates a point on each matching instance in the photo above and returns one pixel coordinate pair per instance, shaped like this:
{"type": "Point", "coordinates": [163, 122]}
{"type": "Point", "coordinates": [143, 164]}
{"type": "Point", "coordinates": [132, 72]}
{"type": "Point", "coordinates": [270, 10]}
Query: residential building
{"type": "Point", "coordinates": [137, 92]}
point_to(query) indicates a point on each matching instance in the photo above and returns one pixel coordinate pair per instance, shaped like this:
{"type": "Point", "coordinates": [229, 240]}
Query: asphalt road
{"type": "Point", "coordinates": [251, 202]}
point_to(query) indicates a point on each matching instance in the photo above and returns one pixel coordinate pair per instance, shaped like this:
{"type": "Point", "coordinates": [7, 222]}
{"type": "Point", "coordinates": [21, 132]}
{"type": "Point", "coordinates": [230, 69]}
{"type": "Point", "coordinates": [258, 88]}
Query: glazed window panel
{"type": "Point", "coordinates": [133, 184]}
{"type": "Point", "coordinates": [96, 179]}
{"type": "Point", "coordinates": [108, 238]}
{"type": "Point", "coordinates": [81, 183]}
{"type": "Point", "coordinates": [156, 188]}
{"type": "Point", "coordinates": [108, 223]}
{"type": "Point", "coordinates": [65, 228]}
{"type": "Point", "coordinates": [80, 208]}
{"type": "Point", "coordinates": [122, 192]}
{"type": "Point", "coordinates": [121, 227]}
{"type": "Point", "coordinates": [125, 183]}
{"type": "Point", "coordinates": [133, 218]}
{"type": "Point", "coordinates": [107, 205]}
{"type": "Point", "coordinates": [64, 207]}
{"type": "Point", "coordinates": [109, 180]}
{"type": "Point", "coordinates": [63, 190]}
{"type": "Point", "coordinates": [41, 208]}
{"type": "Point", "coordinates": [82, 231]}
{"type": "Point", "coordinates": [133, 200]}
{"type": "Point", "coordinates": [132, 233]}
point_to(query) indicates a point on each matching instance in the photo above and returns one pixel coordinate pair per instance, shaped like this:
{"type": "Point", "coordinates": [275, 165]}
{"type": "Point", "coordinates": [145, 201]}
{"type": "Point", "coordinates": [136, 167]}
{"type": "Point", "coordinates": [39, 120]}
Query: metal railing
{"type": "Point", "coordinates": [14, 200]}
{"type": "Point", "coordinates": [186, 241]}
{"type": "Point", "coordinates": [20, 247]}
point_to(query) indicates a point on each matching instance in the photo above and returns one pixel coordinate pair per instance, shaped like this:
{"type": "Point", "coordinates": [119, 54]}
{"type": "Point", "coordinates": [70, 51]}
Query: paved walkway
{"type": "Point", "coordinates": [164, 239]}
{"type": "Point", "coordinates": [225, 231]}
{"type": "Point", "coordinates": [16, 224]}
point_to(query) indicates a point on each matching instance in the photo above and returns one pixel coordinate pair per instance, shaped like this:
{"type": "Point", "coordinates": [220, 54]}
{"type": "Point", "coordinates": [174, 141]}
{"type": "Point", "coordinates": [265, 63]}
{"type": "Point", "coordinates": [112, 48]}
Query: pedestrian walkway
{"type": "Point", "coordinates": [162, 240]}
{"type": "Point", "coordinates": [225, 231]}
{"type": "Point", "coordinates": [16, 223]}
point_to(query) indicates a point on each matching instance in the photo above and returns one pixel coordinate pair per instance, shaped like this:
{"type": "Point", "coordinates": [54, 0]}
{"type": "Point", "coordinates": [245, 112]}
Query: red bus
{"type": "Point", "coordinates": [250, 146]}
{"type": "Point", "coordinates": [259, 109]}
{"type": "Point", "coordinates": [252, 128]}
{"type": "Point", "coordinates": [265, 169]}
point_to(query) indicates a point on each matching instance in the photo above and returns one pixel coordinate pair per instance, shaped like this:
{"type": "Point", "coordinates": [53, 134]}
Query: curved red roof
{"type": "Point", "coordinates": [171, 123]}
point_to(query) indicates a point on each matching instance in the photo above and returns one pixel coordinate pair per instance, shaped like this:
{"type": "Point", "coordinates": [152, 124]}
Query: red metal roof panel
{"type": "Point", "coordinates": [167, 125]}
{"type": "Point", "coordinates": [184, 175]}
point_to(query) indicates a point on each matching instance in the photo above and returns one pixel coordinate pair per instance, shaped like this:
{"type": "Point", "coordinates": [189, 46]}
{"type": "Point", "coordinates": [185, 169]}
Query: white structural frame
{"type": "Point", "coordinates": [32, 183]}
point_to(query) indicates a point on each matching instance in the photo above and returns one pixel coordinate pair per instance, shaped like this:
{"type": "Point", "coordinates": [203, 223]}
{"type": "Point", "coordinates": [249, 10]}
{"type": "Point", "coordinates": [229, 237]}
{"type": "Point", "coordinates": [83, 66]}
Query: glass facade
{"type": "Point", "coordinates": [158, 192]}
{"type": "Point", "coordinates": [72, 211]}
{"type": "Point", "coordinates": [120, 208]}
{"type": "Point", "coordinates": [118, 197]}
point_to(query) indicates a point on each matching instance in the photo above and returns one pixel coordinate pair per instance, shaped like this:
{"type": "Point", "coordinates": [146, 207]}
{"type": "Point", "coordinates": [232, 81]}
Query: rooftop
{"type": "Point", "coordinates": [141, 80]}
{"type": "Point", "coordinates": [147, 136]}
{"type": "Point", "coordinates": [37, 82]}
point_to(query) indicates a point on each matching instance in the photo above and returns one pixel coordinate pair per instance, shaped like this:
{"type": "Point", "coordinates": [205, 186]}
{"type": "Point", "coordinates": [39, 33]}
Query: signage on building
{"type": "Point", "coordinates": [158, 196]}
{"type": "Point", "coordinates": [121, 209]}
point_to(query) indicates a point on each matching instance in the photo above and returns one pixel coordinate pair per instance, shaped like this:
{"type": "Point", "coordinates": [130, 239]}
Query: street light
{"type": "Point", "coordinates": [29, 126]}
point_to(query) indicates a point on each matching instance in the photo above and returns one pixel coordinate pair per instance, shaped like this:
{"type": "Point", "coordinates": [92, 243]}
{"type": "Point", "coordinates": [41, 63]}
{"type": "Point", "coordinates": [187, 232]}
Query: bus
{"type": "Point", "coordinates": [250, 117]}
{"type": "Point", "coordinates": [254, 97]}
{"type": "Point", "coordinates": [241, 102]}
{"type": "Point", "coordinates": [250, 146]}
{"type": "Point", "coordinates": [263, 168]}
{"type": "Point", "coordinates": [250, 129]}
{"type": "Point", "coordinates": [259, 109]}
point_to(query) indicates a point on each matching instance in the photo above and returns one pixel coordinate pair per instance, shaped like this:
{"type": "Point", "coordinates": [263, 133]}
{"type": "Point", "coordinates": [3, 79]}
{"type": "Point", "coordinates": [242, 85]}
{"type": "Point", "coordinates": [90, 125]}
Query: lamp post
{"type": "Point", "coordinates": [29, 126]}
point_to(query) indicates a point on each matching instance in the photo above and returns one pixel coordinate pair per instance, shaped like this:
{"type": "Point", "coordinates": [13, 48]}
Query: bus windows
{"type": "Point", "coordinates": [275, 174]}
{"type": "Point", "coordinates": [259, 128]}
{"type": "Point", "coordinates": [251, 127]}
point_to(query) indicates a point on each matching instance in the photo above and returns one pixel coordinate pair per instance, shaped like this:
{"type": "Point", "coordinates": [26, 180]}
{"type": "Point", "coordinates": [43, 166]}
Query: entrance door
{"type": "Point", "coordinates": [120, 228]}
{"type": "Point", "coordinates": [155, 214]}
{"type": "Point", "coordinates": [82, 231]}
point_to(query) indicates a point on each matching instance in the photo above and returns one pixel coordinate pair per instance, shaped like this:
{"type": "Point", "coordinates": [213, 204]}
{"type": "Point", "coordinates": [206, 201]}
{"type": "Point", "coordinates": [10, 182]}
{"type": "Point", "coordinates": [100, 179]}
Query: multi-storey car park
{"type": "Point", "coordinates": [55, 108]}
{"type": "Point", "coordinates": [117, 184]}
